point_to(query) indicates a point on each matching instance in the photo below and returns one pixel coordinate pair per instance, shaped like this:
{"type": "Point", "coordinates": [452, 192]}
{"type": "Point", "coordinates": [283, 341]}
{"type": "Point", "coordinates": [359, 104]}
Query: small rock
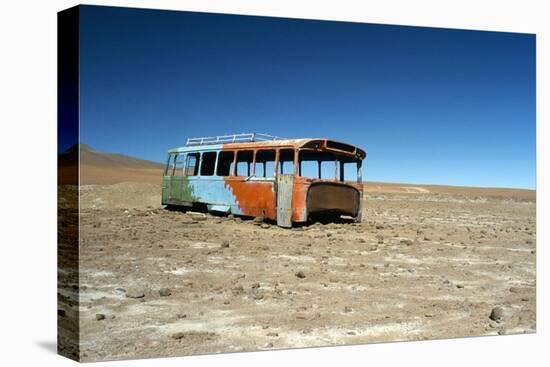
{"type": "Point", "coordinates": [497, 314]}
{"type": "Point", "coordinates": [257, 296]}
{"type": "Point", "coordinates": [225, 244]}
{"type": "Point", "coordinates": [265, 226]}
{"type": "Point", "coordinates": [460, 285]}
{"type": "Point", "coordinates": [406, 242]}
{"type": "Point", "coordinates": [300, 274]}
{"type": "Point", "coordinates": [269, 345]}
{"type": "Point", "coordinates": [99, 316]}
{"type": "Point", "coordinates": [198, 218]}
{"type": "Point", "coordinates": [255, 285]}
{"type": "Point", "coordinates": [164, 292]}
{"type": "Point", "coordinates": [258, 220]}
{"type": "Point", "coordinates": [272, 334]}
{"type": "Point", "coordinates": [61, 313]}
{"type": "Point", "coordinates": [178, 335]}
{"type": "Point", "coordinates": [347, 309]}
{"type": "Point", "coordinates": [237, 290]}
{"type": "Point", "coordinates": [133, 293]}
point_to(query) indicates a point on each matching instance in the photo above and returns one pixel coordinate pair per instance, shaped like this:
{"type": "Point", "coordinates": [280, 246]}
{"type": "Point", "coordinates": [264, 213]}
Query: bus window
{"type": "Point", "coordinates": [309, 169]}
{"type": "Point", "coordinates": [225, 163]}
{"type": "Point", "coordinates": [265, 163]}
{"type": "Point", "coordinates": [350, 171]}
{"type": "Point", "coordinates": [244, 163]}
{"type": "Point", "coordinates": [169, 169]}
{"type": "Point", "coordinates": [178, 166]}
{"type": "Point", "coordinates": [315, 164]}
{"type": "Point", "coordinates": [328, 170]}
{"type": "Point", "coordinates": [286, 161]}
{"type": "Point", "coordinates": [208, 163]}
{"type": "Point", "coordinates": [192, 167]}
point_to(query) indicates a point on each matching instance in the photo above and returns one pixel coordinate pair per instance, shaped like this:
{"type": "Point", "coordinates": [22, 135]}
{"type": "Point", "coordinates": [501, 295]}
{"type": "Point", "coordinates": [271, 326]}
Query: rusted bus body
{"type": "Point", "coordinates": [266, 178]}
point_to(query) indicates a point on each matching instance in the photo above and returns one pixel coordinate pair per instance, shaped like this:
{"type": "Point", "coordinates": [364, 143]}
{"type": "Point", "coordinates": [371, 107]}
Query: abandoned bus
{"type": "Point", "coordinates": [258, 175]}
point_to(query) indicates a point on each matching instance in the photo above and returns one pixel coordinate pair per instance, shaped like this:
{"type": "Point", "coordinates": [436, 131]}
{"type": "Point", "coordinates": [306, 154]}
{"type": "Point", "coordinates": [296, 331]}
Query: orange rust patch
{"type": "Point", "coordinates": [254, 198]}
{"type": "Point", "coordinates": [299, 195]}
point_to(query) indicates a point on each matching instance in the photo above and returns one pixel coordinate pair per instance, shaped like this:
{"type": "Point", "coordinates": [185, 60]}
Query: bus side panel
{"type": "Point", "coordinates": [176, 190]}
{"type": "Point", "coordinates": [213, 191]}
{"type": "Point", "coordinates": [165, 190]}
{"type": "Point", "coordinates": [255, 197]}
{"type": "Point", "coordinates": [185, 191]}
{"type": "Point", "coordinates": [299, 200]}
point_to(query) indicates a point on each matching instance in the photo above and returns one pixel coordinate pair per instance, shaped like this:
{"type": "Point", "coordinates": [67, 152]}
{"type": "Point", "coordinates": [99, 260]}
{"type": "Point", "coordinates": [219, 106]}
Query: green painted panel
{"type": "Point", "coordinates": [177, 191]}
{"type": "Point", "coordinates": [176, 183]}
{"type": "Point", "coordinates": [165, 189]}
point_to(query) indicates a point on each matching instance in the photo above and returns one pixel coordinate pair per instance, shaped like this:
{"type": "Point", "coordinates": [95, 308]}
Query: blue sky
{"type": "Point", "coordinates": [429, 105]}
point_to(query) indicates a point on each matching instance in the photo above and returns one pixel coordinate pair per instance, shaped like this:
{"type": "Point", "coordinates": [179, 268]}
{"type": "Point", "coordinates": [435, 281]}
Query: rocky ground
{"type": "Point", "coordinates": [421, 265]}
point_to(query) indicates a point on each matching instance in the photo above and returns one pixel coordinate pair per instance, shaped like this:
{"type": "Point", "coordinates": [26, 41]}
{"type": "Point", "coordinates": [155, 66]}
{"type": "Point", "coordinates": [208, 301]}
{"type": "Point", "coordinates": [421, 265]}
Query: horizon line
{"type": "Point", "coordinates": [364, 181]}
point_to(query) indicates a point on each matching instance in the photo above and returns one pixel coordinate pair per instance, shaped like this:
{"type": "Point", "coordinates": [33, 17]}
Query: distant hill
{"type": "Point", "coordinates": [105, 168]}
{"type": "Point", "coordinates": [89, 156]}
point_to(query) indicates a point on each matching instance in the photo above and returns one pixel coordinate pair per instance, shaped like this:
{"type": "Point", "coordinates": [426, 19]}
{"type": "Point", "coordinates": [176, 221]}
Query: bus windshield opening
{"type": "Point", "coordinates": [328, 166]}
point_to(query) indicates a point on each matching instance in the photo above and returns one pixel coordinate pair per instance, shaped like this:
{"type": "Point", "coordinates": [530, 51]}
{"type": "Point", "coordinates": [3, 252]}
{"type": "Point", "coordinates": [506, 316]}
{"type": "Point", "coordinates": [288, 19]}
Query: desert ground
{"type": "Point", "coordinates": [426, 262]}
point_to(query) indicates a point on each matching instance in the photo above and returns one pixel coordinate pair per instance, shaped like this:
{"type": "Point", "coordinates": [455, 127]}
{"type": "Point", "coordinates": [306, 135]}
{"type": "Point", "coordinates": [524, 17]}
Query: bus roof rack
{"type": "Point", "coordinates": [232, 138]}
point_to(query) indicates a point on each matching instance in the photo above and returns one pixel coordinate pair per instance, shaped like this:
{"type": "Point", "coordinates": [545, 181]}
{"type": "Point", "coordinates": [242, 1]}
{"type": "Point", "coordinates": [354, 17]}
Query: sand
{"type": "Point", "coordinates": [420, 266]}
